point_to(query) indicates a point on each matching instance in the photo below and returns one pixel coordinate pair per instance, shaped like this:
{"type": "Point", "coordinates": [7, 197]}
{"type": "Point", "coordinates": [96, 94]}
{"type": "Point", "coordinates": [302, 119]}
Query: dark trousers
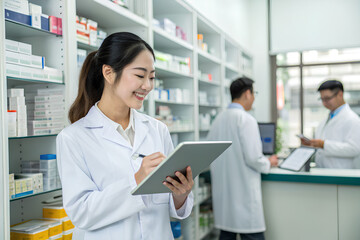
{"type": "Point", "coordinates": [224, 235]}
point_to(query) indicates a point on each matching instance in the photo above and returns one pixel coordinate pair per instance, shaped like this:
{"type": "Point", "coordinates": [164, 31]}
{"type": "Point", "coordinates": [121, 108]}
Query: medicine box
{"type": "Point", "coordinates": [47, 156]}
{"type": "Point", "coordinates": [44, 22]}
{"type": "Point", "coordinates": [20, 6]}
{"type": "Point", "coordinates": [25, 48]}
{"type": "Point", "coordinates": [15, 92]}
{"type": "Point", "coordinates": [12, 57]}
{"type": "Point", "coordinates": [11, 116]}
{"type": "Point", "coordinates": [48, 99]}
{"type": "Point", "coordinates": [23, 185]}
{"type": "Point", "coordinates": [35, 13]}
{"type": "Point", "coordinates": [17, 17]}
{"type": "Point", "coordinates": [57, 237]}
{"type": "Point", "coordinates": [11, 45]}
{"type": "Point", "coordinates": [37, 61]}
{"type": "Point", "coordinates": [55, 211]}
{"type": "Point", "coordinates": [13, 101]}
{"type": "Point", "coordinates": [35, 164]}
{"type": "Point", "coordinates": [39, 233]}
{"type": "Point", "coordinates": [37, 179]}
{"type": "Point", "coordinates": [49, 183]}
{"type": "Point", "coordinates": [12, 70]}
{"type": "Point", "coordinates": [67, 224]}
{"type": "Point", "coordinates": [68, 235]}
{"type": "Point", "coordinates": [49, 106]}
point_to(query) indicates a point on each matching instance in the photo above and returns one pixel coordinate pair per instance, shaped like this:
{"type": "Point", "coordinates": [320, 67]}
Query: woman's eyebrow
{"type": "Point", "coordinates": [143, 69]}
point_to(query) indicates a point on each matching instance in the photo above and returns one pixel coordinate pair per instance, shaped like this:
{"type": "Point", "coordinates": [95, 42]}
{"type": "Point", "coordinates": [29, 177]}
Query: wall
{"type": "Point", "coordinates": [260, 50]}
{"type": "Point", "coordinates": [226, 14]}
{"type": "Point", "coordinates": [247, 22]}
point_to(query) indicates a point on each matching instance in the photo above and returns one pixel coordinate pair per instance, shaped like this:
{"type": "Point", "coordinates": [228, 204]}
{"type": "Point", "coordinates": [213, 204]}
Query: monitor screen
{"type": "Point", "coordinates": [267, 134]}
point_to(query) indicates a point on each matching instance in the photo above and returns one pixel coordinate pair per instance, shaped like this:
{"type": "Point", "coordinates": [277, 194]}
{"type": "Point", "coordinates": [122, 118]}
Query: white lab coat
{"type": "Point", "coordinates": [342, 140]}
{"type": "Point", "coordinates": [236, 174]}
{"type": "Point", "coordinates": [97, 168]}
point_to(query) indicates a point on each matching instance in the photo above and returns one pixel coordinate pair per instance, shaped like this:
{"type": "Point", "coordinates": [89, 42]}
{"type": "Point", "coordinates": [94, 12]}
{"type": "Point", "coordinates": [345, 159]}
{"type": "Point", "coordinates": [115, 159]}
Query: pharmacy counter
{"type": "Point", "coordinates": [316, 175]}
{"type": "Point", "coordinates": [320, 204]}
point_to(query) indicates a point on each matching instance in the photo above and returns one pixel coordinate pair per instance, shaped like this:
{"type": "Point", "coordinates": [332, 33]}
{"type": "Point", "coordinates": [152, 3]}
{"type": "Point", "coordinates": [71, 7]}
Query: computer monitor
{"type": "Point", "coordinates": [267, 134]}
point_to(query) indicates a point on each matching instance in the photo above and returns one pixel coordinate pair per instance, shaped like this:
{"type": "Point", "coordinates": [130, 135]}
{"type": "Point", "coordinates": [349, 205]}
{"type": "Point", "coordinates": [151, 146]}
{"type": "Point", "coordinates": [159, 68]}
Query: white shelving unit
{"type": "Point", "coordinates": [224, 60]}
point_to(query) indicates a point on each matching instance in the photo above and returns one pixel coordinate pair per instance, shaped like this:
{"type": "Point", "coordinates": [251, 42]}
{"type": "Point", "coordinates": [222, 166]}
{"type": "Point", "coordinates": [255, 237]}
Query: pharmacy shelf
{"type": "Point", "coordinates": [182, 131]}
{"type": "Point", "coordinates": [204, 130]}
{"type": "Point", "coordinates": [87, 47]}
{"type": "Point", "coordinates": [20, 30]}
{"type": "Point", "coordinates": [208, 83]}
{"type": "Point", "coordinates": [207, 58]}
{"type": "Point", "coordinates": [35, 194]}
{"type": "Point", "coordinates": [174, 103]}
{"type": "Point", "coordinates": [164, 73]}
{"type": "Point", "coordinates": [164, 40]}
{"type": "Point", "coordinates": [209, 106]}
{"type": "Point", "coordinates": [26, 81]}
{"type": "Point", "coordinates": [108, 14]}
{"type": "Point", "coordinates": [171, 7]}
{"type": "Point", "coordinates": [232, 68]}
{"type": "Point", "coordinates": [38, 136]}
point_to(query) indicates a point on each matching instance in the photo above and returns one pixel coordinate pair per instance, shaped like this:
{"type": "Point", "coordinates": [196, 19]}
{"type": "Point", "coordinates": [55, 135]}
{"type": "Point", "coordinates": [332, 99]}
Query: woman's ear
{"type": "Point", "coordinates": [109, 74]}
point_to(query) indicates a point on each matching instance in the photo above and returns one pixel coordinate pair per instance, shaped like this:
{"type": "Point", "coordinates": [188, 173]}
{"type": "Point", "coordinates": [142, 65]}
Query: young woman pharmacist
{"type": "Point", "coordinates": [97, 154]}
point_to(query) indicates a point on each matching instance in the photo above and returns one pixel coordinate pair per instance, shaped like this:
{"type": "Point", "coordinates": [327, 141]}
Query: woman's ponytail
{"type": "Point", "coordinates": [91, 85]}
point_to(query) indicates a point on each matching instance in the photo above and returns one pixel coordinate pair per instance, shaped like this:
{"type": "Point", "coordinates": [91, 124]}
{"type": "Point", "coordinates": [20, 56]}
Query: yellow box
{"type": "Point", "coordinates": [54, 212]}
{"type": "Point", "coordinates": [55, 228]}
{"type": "Point", "coordinates": [68, 235]}
{"type": "Point", "coordinates": [67, 224]}
{"type": "Point", "coordinates": [57, 237]}
{"type": "Point", "coordinates": [41, 233]}
{"type": "Point", "coordinates": [24, 230]}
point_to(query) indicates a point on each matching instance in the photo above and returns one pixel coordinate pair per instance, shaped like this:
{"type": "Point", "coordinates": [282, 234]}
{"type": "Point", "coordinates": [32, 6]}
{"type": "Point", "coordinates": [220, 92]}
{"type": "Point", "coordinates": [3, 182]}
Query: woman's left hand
{"type": "Point", "coordinates": [182, 189]}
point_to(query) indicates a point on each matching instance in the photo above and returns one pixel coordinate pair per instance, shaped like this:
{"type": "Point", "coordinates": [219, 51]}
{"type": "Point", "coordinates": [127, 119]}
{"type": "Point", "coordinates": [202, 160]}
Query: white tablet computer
{"type": "Point", "coordinates": [197, 155]}
{"type": "Point", "coordinates": [298, 158]}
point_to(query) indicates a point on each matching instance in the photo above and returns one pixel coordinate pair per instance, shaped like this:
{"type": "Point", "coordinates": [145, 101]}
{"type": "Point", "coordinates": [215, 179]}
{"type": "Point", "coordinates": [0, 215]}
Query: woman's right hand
{"type": "Point", "coordinates": [147, 166]}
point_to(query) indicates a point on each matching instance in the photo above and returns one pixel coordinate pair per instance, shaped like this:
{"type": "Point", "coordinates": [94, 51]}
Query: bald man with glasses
{"type": "Point", "coordinates": [338, 136]}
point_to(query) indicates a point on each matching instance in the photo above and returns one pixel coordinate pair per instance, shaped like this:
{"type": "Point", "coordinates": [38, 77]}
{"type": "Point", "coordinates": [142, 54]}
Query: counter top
{"type": "Point", "coordinates": [316, 175]}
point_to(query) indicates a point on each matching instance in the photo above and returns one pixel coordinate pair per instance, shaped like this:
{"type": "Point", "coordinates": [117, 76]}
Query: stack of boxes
{"type": "Point", "coordinates": [57, 212]}
{"type": "Point", "coordinates": [43, 113]}
{"type": "Point", "coordinates": [45, 109]}
{"type": "Point", "coordinates": [20, 63]}
{"type": "Point", "coordinates": [54, 225]}
{"type": "Point", "coordinates": [170, 27]}
{"type": "Point", "coordinates": [46, 166]}
{"type": "Point", "coordinates": [16, 101]}
{"type": "Point", "coordinates": [37, 229]}
{"type": "Point", "coordinates": [31, 14]}
{"type": "Point", "coordinates": [87, 32]}
{"type": "Point", "coordinates": [174, 63]}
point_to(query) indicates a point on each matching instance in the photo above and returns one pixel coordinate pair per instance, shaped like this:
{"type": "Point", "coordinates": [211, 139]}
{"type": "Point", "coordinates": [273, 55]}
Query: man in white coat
{"type": "Point", "coordinates": [236, 174]}
{"type": "Point", "coordinates": [338, 136]}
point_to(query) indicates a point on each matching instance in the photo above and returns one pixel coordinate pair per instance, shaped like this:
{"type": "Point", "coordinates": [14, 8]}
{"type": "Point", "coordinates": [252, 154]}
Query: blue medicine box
{"type": "Point", "coordinates": [18, 17]}
{"type": "Point", "coordinates": [44, 23]}
{"type": "Point", "coordinates": [47, 156]}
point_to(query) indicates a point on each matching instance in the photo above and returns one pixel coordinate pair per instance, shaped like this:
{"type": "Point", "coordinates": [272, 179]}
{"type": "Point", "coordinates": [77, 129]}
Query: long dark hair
{"type": "Point", "coordinates": [118, 50]}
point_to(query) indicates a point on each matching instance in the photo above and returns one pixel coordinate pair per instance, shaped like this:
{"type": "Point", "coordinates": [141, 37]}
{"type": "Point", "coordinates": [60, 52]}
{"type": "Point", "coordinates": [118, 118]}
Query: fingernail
{"type": "Point", "coordinates": [168, 178]}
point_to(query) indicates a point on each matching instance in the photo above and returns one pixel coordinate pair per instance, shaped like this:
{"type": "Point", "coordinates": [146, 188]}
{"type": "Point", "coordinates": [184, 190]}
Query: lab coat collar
{"type": "Point", "coordinates": [339, 116]}
{"type": "Point", "coordinates": [236, 105]}
{"type": "Point", "coordinates": [94, 119]}
{"type": "Point", "coordinates": [141, 129]}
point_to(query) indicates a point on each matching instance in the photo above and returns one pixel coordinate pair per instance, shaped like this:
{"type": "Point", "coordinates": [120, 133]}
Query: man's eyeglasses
{"type": "Point", "coordinates": [326, 99]}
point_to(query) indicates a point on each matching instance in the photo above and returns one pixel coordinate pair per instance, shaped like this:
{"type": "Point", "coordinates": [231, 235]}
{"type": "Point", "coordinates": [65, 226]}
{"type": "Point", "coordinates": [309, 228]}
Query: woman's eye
{"type": "Point", "coordinates": [152, 79]}
{"type": "Point", "coordinates": [140, 76]}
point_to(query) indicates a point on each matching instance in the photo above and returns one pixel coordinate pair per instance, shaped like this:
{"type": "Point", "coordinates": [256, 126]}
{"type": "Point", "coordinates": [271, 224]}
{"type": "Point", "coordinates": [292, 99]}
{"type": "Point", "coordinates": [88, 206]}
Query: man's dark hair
{"type": "Point", "coordinates": [331, 84]}
{"type": "Point", "coordinates": [239, 86]}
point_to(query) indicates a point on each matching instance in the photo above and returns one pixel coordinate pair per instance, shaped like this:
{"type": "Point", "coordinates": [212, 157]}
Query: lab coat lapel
{"type": "Point", "coordinates": [94, 119]}
{"type": "Point", "coordinates": [141, 130]}
{"type": "Point", "coordinates": [339, 117]}
{"type": "Point", "coordinates": [111, 134]}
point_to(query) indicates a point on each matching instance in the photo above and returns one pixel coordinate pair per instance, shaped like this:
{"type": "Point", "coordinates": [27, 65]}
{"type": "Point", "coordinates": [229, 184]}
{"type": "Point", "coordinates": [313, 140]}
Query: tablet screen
{"type": "Point", "coordinates": [298, 158]}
